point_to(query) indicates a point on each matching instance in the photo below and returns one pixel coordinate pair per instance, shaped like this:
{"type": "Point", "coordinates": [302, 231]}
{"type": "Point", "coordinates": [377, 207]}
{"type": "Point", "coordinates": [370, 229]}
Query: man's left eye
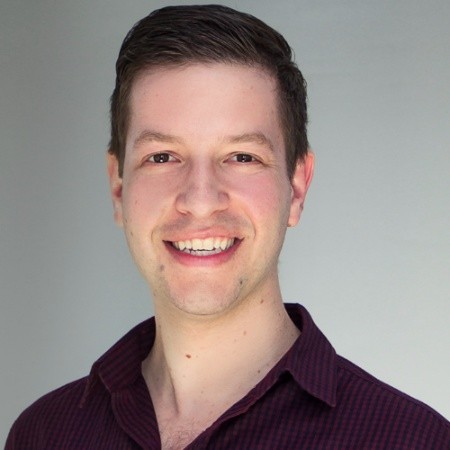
{"type": "Point", "coordinates": [161, 158]}
{"type": "Point", "coordinates": [243, 158]}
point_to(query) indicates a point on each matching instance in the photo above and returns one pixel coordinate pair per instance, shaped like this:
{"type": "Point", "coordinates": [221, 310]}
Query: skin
{"type": "Point", "coordinates": [205, 158]}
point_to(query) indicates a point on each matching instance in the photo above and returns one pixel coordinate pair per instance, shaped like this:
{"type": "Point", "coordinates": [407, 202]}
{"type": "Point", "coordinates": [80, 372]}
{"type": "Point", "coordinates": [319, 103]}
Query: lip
{"type": "Point", "coordinates": [202, 261]}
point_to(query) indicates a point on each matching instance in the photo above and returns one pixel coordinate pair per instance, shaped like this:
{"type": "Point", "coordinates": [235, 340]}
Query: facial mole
{"type": "Point", "coordinates": [261, 301]}
{"type": "Point", "coordinates": [188, 356]}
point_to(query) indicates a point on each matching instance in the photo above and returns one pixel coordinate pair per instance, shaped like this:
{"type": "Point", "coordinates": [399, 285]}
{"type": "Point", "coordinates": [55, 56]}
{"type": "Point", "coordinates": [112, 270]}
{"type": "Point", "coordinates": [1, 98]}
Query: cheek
{"type": "Point", "coordinates": [145, 200]}
{"type": "Point", "coordinates": [268, 197]}
{"type": "Point", "coordinates": [136, 202]}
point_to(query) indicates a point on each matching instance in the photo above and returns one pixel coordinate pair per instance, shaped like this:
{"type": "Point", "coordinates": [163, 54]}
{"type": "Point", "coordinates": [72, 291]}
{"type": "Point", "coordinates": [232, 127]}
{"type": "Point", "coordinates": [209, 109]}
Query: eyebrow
{"type": "Point", "coordinates": [154, 136]}
{"type": "Point", "coordinates": [257, 138]}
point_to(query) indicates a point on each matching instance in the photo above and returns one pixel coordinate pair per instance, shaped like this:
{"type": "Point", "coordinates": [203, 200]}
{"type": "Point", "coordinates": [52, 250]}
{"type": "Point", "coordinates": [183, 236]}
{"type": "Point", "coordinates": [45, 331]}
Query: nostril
{"type": "Point", "coordinates": [202, 199]}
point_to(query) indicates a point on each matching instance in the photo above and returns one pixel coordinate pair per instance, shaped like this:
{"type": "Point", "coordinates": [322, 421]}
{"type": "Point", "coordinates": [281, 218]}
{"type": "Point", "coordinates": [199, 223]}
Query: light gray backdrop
{"type": "Point", "coordinates": [370, 258]}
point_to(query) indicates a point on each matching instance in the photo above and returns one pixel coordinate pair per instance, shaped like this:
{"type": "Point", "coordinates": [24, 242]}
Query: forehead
{"type": "Point", "coordinates": [205, 98]}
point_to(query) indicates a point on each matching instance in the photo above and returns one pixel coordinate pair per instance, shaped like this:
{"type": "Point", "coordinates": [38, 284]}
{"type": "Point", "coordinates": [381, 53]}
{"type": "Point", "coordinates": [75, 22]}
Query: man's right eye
{"type": "Point", "coordinates": [161, 158]}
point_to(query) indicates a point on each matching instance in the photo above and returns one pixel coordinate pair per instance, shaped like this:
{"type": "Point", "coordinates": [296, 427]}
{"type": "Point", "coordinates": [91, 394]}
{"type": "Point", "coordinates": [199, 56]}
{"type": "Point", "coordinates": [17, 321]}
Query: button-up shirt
{"type": "Point", "coordinates": [311, 399]}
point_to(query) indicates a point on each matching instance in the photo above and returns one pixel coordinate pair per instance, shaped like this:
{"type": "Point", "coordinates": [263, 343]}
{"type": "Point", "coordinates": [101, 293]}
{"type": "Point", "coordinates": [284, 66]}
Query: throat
{"type": "Point", "coordinates": [197, 374]}
{"type": "Point", "coordinates": [198, 369]}
{"type": "Point", "coordinates": [182, 414]}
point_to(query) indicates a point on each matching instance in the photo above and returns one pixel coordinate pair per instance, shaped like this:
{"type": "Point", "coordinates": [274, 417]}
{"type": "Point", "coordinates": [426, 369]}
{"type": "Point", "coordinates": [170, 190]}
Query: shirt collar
{"type": "Point", "coordinates": [311, 360]}
{"type": "Point", "coordinates": [120, 366]}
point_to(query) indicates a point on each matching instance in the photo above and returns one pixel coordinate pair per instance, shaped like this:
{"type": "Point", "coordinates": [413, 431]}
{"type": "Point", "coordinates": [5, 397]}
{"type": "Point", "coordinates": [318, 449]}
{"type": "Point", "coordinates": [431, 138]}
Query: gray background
{"type": "Point", "coordinates": [370, 258]}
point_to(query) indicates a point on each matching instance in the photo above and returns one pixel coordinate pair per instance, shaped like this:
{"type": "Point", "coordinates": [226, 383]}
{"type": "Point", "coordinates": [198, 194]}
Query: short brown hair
{"type": "Point", "coordinates": [179, 35]}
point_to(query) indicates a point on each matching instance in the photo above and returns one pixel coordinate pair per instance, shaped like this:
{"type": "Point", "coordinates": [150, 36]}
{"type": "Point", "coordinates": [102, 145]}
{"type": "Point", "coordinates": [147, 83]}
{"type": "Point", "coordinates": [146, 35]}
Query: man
{"type": "Point", "coordinates": [208, 165]}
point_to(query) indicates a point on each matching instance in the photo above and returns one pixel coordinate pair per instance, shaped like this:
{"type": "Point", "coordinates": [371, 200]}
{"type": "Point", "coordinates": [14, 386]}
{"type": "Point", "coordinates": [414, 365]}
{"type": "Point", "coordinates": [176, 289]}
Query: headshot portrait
{"type": "Point", "coordinates": [225, 226]}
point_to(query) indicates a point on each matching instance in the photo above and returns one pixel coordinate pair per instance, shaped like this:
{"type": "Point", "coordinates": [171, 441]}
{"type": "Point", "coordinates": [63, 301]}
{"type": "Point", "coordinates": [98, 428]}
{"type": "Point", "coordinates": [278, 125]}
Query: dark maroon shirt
{"type": "Point", "coordinates": [312, 399]}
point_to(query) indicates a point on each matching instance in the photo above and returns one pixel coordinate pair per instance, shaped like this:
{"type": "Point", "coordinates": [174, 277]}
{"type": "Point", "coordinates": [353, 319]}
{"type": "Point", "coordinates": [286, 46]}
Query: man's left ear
{"type": "Point", "coordinates": [299, 184]}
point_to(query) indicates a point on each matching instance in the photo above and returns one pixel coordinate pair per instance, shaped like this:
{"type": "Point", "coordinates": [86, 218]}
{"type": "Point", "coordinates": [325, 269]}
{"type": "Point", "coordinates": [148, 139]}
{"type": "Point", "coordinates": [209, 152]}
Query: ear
{"type": "Point", "coordinates": [300, 183]}
{"type": "Point", "coordinates": [115, 186]}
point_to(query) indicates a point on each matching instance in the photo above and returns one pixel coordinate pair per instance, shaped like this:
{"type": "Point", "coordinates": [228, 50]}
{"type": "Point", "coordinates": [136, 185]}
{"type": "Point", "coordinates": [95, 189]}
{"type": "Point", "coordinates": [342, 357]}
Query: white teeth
{"type": "Point", "coordinates": [196, 244]}
{"type": "Point", "coordinates": [208, 246]}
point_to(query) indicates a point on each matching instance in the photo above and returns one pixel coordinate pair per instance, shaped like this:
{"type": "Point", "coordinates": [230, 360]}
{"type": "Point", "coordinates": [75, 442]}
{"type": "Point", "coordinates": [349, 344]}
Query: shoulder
{"type": "Point", "coordinates": [391, 416]}
{"type": "Point", "coordinates": [38, 425]}
{"type": "Point", "coordinates": [39, 416]}
{"type": "Point", "coordinates": [55, 401]}
{"type": "Point", "coordinates": [80, 414]}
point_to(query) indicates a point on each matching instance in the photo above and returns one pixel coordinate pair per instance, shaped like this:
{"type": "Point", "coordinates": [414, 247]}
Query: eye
{"type": "Point", "coordinates": [243, 158]}
{"type": "Point", "coordinates": [160, 158]}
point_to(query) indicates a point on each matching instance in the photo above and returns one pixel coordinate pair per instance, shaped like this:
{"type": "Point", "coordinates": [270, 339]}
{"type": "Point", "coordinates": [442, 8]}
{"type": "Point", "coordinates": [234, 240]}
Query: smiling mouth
{"type": "Point", "coordinates": [204, 247]}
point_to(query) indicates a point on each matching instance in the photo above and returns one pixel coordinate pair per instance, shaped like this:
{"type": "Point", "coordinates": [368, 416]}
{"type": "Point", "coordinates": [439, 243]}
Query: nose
{"type": "Point", "coordinates": [202, 192]}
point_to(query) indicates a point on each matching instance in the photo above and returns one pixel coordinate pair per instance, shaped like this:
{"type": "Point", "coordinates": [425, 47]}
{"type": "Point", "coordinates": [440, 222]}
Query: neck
{"type": "Point", "coordinates": [214, 362]}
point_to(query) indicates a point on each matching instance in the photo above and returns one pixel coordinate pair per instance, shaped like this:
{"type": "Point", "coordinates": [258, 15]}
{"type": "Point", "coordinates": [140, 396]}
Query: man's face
{"type": "Point", "coordinates": [205, 198]}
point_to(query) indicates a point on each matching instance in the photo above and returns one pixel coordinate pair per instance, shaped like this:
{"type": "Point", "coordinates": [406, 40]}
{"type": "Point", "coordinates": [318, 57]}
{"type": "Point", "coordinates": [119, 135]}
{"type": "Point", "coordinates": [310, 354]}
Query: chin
{"type": "Point", "coordinates": [200, 297]}
{"type": "Point", "coordinates": [204, 306]}
{"type": "Point", "coordinates": [202, 302]}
